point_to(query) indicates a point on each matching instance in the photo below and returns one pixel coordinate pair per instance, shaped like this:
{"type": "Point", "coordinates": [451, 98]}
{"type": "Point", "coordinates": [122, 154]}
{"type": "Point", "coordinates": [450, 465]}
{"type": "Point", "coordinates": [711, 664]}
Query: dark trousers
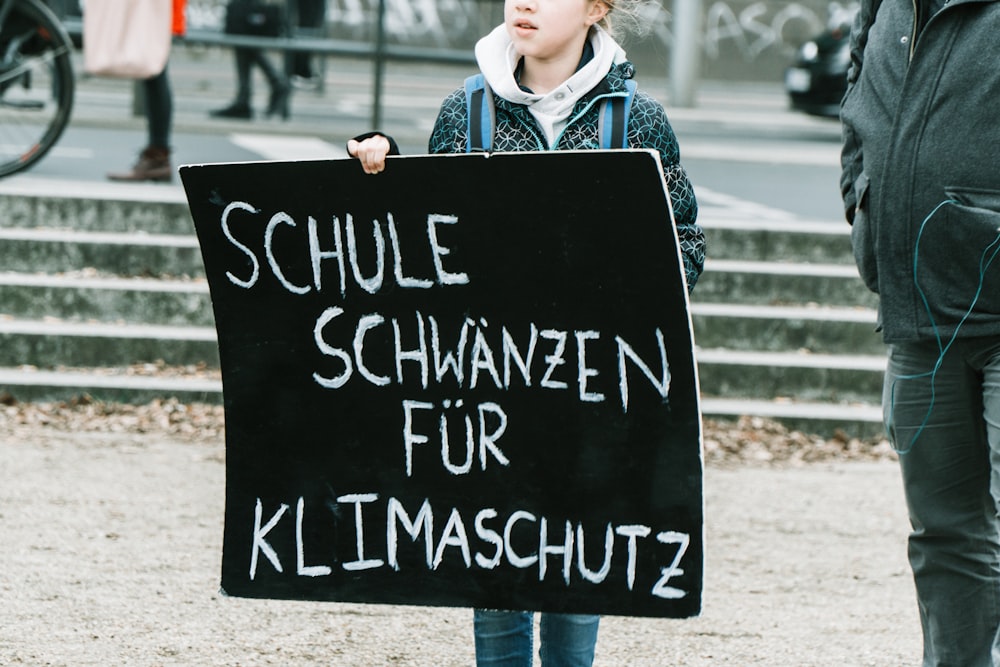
{"type": "Point", "coordinates": [308, 14]}
{"type": "Point", "coordinates": [942, 411]}
{"type": "Point", "coordinates": [159, 109]}
{"type": "Point", "coordinates": [245, 59]}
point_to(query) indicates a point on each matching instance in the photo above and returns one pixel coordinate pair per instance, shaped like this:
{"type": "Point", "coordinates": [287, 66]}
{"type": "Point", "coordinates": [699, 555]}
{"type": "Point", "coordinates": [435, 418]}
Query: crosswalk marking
{"type": "Point", "coordinates": [714, 205]}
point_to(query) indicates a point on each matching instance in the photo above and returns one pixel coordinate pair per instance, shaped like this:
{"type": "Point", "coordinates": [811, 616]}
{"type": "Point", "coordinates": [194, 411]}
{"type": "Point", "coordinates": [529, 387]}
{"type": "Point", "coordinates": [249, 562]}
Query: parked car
{"type": "Point", "coordinates": [817, 79]}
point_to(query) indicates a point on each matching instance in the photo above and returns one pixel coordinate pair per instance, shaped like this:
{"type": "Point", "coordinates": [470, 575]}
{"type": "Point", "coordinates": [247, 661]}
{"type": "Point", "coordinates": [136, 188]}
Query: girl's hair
{"type": "Point", "coordinates": [629, 17]}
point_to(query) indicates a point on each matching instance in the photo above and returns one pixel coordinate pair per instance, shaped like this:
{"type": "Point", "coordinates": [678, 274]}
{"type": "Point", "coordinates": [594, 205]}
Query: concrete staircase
{"type": "Point", "coordinates": [105, 295]}
{"type": "Point", "coordinates": [784, 326]}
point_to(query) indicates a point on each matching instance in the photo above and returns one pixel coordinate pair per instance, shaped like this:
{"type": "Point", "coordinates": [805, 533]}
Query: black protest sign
{"type": "Point", "coordinates": [466, 381]}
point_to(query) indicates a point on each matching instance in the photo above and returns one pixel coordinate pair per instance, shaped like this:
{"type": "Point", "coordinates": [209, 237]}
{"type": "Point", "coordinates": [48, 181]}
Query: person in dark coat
{"type": "Point", "coordinates": [921, 187]}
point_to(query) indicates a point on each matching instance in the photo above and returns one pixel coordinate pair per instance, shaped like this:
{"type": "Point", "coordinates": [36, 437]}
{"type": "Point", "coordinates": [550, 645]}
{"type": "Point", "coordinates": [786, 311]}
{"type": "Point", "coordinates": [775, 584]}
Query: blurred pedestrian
{"type": "Point", "coordinates": [300, 65]}
{"type": "Point", "coordinates": [154, 160]}
{"type": "Point", "coordinates": [259, 18]}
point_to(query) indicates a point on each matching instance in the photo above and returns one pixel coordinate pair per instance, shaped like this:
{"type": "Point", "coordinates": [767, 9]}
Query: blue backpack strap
{"type": "Point", "coordinates": [612, 127]}
{"type": "Point", "coordinates": [482, 116]}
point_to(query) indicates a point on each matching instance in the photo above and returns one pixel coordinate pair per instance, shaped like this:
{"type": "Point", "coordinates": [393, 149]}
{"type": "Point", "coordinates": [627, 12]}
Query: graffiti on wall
{"type": "Point", "coordinates": [754, 29]}
{"type": "Point", "coordinates": [432, 21]}
{"type": "Point", "coordinates": [761, 27]}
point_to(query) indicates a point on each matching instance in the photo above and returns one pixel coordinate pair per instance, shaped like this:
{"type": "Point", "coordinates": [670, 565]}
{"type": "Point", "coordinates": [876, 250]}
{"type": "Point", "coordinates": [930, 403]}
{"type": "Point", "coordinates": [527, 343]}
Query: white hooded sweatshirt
{"type": "Point", "coordinates": [498, 60]}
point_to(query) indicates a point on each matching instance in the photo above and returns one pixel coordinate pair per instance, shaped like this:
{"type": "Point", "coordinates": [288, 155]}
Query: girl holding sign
{"type": "Point", "coordinates": [548, 71]}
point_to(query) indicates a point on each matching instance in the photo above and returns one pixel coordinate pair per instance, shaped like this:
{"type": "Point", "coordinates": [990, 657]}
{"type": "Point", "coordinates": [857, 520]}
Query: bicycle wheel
{"type": "Point", "coordinates": [36, 84]}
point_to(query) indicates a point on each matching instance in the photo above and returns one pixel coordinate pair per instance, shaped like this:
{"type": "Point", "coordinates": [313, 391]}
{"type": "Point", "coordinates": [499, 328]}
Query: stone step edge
{"type": "Point", "coordinates": [733, 408]}
{"type": "Point", "coordinates": [110, 330]}
{"type": "Point", "coordinates": [717, 212]}
{"type": "Point", "coordinates": [845, 314]}
{"type": "Point", "coordinates": [20, 377]}
{"type": "Point", "coordinates": [14, 377]}
{"type": "Point", "coordinates": [710, 218]}
{"type": "Point", "coordinates": [782, 268]}
{"type": "Point", "coordinates": [115, 283]}
{"type": "Point", "coordinates": [75, 281]}
{"type": "Point", "coordinates": [55, 188]}
{"type": "Point", "coordinates": [858, 362]}
{"type": "Point", "coordinates": [793, 225]}
{"type": "Point", "coordinates": [126, 240]}
{"type": "Point", "coordinates": [55, 235]}
{"type": "Point", "coordinates": [24, 326]}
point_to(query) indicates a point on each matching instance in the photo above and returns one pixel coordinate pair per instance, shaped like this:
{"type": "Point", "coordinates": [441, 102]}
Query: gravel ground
{"type": "Point", "coordinates": [111, 518]}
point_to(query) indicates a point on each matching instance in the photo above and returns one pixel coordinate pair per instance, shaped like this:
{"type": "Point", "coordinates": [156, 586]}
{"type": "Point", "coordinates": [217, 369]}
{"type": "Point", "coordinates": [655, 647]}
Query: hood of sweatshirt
{"type": "Point", "coordinates": [498, 61]}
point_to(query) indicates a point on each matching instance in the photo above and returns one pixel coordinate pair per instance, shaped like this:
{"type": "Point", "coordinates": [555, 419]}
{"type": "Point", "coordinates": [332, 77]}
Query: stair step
{"type": "Point", "coordinates": [107, 385]}
{"type": "Point", "coordinates": [120, 253]}
{"type": "Point", "coordinates": [46, 343]}
{"type": "Point", "coordinates": [861, 362]}
{"type": "Point", "coordinates": [858, 420]}
{"type": "Point", "coordinates": [81, 296]}
{"type": "Point", "coordinates": [738, 326]}
{"type": "Point", "coordinates": [784, 375]}
{"type": "Point", "coordinates": [767, 282]}
{"type": "Point", "coordinates": [777, 240]}
{"type": "Point", "coordinates": [67, 204]}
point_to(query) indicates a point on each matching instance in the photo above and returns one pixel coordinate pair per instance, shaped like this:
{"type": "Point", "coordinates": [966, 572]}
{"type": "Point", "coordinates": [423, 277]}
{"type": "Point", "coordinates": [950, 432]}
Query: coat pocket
{"type": "Point", "coordinates": [863, 239]}
{"type": "Point", "coordinates": [956, 263]}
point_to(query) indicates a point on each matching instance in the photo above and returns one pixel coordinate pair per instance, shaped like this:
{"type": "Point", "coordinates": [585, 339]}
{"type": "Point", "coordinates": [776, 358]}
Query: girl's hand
{"type": "Point", "coordinates": [371, 152]}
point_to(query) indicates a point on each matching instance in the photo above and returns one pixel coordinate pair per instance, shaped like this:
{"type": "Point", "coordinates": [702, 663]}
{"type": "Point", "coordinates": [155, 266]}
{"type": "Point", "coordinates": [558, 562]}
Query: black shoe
{"type": "Point", "coordinates": [240, 110]}
{"type": "Point", "coordinates": [303, 70]}
{"type": "Point", "coordinates": [278, 105]}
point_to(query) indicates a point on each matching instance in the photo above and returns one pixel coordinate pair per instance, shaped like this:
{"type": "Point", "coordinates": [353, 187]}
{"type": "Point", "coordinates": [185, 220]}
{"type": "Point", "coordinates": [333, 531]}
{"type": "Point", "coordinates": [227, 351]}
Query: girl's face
{"type": "Point", "coordinates": [551, 29]}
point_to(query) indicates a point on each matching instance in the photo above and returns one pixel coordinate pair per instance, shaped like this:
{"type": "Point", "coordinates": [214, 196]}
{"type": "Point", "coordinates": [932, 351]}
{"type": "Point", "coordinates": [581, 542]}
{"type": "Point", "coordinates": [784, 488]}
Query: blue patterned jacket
{"type": "Point", "coordinates": [516, 130]}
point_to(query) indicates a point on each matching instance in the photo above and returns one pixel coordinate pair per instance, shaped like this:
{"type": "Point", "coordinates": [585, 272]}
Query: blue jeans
{"type": "Point", "coordinates": [946, 425]}
{"type": "Point", "coordinates": [504, 639]}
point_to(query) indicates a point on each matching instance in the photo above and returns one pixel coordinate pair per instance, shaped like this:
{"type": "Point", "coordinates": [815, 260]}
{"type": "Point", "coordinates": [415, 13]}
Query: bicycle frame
{"type": "Point", "coordinates": [36, 82]}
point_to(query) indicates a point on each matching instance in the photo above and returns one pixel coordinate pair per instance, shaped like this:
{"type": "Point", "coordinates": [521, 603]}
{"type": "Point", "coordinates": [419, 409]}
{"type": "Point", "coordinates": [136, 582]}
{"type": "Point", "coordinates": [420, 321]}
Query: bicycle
{"type": "Point", "coordinates": [37, 83]}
